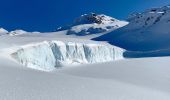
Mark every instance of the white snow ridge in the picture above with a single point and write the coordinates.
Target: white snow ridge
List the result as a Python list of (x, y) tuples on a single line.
[(47, 56)]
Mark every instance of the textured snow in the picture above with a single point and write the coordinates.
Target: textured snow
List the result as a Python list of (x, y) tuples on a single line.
[(49, 55), (133, 79)]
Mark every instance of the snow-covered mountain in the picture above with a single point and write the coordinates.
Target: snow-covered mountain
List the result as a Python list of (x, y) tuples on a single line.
[(47, 56), (3, 31), (92, 24), (17, 32), (146, 31), (145, 78)]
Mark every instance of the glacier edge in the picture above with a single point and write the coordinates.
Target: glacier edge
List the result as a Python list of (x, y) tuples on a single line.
[(47, 56)]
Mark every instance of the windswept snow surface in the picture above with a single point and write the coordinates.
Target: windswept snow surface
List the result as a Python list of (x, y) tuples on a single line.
[(134, 79), (47, 56), (146, 31)]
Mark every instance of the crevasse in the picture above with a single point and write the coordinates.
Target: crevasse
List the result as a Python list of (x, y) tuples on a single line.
[(47, 56)]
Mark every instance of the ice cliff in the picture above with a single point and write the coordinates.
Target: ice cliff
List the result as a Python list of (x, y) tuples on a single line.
[(48, 56)]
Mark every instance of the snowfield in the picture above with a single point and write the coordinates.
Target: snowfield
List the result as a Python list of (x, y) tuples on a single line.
[(58, 66), (128, 79)]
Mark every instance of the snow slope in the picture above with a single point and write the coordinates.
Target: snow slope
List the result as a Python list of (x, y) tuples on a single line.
[(93, 23), (146, 31)]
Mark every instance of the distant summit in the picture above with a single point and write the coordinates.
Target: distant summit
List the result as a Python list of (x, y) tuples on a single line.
[(92, 24), (17, 32), (149, 17), (94, 18)]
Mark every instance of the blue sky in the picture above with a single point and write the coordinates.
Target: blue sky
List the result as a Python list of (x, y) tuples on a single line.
[(47, 15)]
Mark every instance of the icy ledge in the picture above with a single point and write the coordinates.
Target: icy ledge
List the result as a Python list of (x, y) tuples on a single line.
[(47, 56)]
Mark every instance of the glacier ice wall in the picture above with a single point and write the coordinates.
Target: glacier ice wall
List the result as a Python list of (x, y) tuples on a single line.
[(47, 56)]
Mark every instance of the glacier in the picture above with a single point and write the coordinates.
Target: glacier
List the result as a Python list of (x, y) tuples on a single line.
[(50, 55)]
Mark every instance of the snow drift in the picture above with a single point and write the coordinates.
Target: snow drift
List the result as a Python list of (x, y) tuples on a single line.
[(47, 56)]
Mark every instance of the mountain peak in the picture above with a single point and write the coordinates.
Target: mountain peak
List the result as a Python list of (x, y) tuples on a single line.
[(92, 23), (94, 18)]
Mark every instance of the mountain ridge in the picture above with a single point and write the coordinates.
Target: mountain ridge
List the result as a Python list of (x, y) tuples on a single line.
[(146, 31)]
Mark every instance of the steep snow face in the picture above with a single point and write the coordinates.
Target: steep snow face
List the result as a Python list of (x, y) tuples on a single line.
[(92, 24), (3, 31), (47, 56), (17, 32), (146, 31)]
